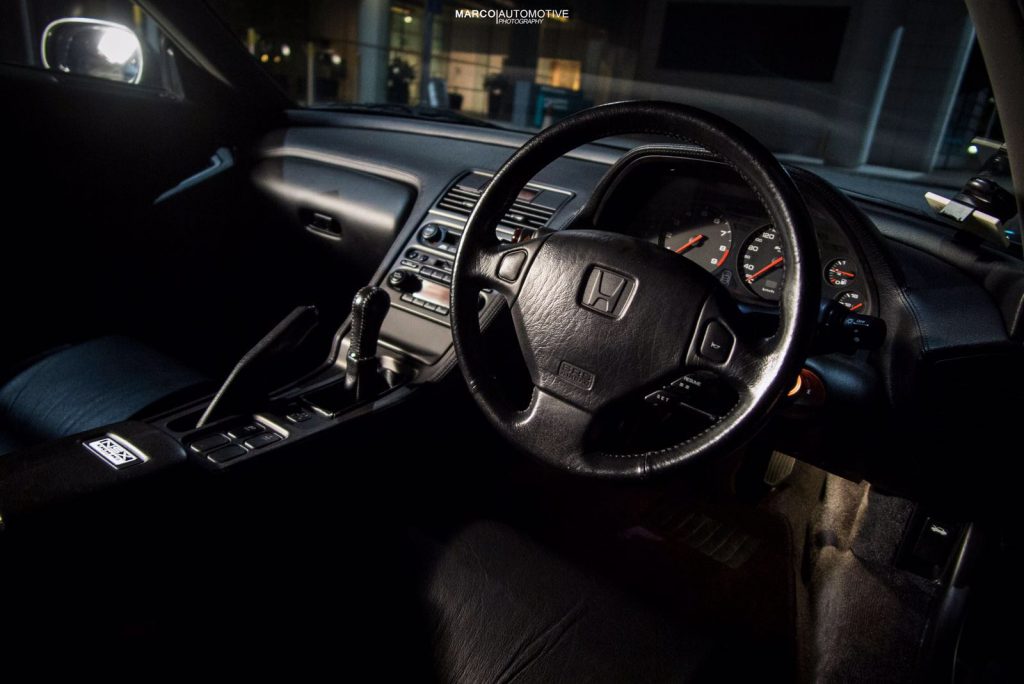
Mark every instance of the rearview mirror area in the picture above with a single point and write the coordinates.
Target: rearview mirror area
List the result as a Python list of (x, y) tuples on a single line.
[(93, 47)]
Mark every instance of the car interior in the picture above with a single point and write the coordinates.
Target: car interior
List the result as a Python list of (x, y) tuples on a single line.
[(626, 397)]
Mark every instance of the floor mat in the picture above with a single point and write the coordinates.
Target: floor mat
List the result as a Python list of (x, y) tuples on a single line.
[(721, 541), (867, 617)]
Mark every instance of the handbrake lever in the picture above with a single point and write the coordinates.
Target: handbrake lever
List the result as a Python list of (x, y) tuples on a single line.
[(262, 367)]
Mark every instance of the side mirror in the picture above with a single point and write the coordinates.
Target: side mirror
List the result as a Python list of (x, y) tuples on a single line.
[(92, 47)]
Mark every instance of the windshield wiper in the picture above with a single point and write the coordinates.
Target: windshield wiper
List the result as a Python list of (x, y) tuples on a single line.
[(417, 111)]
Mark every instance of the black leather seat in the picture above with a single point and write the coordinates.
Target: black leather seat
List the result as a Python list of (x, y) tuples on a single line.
[(503, 608), (101, 381)]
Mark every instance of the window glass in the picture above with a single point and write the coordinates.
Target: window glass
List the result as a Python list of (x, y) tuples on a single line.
[(112, 40), (884, 98)]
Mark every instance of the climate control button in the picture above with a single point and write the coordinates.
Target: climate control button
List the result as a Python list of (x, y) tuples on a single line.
[(431, 234), (404, 281)]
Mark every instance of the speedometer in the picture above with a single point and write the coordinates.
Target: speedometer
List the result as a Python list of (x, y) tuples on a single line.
[(706, 240), (764, 267)]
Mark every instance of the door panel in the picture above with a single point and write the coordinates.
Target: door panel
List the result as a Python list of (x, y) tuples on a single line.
[(85, 161)]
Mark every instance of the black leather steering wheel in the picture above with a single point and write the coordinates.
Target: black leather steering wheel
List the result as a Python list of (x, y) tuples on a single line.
[(601, 316)]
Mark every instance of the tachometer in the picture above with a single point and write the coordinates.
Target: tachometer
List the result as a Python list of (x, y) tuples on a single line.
[(764, 268), (706, 240)]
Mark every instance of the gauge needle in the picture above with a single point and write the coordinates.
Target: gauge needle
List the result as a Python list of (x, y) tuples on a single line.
[(856, 306), (692, 243), (754, 276), (846, 274)]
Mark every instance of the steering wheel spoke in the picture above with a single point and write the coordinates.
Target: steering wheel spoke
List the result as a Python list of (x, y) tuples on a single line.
[(500, 267), (552, 426), (726, 344)]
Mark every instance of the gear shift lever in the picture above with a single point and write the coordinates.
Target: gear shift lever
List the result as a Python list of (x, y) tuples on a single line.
[(369, 307)]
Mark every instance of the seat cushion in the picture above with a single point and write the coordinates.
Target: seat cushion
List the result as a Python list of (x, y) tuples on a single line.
[(503, 608), (105, 380)]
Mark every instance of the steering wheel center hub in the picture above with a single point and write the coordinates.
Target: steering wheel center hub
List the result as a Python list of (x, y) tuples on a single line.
[(602, 314)]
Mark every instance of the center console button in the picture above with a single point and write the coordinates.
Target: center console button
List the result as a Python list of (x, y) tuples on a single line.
[(262, 440), (208, 443), (225, 454), (299, 415), (247, 430)]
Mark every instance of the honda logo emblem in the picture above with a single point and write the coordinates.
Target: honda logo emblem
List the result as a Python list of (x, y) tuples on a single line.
[(607, 292)]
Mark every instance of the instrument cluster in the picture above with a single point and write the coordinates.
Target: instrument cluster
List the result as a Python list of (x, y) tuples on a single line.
[(754, 256), (715, 221)]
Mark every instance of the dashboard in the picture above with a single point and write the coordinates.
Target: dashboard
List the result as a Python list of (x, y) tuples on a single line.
[(376, 196), (709, 215)]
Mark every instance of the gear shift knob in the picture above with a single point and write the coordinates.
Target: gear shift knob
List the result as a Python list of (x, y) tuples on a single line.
[(369, 307)]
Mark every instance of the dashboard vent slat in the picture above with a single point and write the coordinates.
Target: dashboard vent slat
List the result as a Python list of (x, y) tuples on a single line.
[(461, 200)]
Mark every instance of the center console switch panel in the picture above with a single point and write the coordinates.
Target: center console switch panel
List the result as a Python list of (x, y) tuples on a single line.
[(235, 440)]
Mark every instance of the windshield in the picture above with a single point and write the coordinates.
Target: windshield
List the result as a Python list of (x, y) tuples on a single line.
[(883, 98)]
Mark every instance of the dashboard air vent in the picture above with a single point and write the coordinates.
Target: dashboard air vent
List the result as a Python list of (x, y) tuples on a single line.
[(461, 200)]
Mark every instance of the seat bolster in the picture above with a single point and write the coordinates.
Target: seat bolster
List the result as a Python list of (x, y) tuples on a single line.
[(105, 380)]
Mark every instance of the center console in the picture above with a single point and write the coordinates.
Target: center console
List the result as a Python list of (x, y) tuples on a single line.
[(397, 338), (418, 279), (410, 309)]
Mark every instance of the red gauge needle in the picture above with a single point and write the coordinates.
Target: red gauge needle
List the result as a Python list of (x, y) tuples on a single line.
[(856, 306), (692, 243), (754, 276), (846, 274)]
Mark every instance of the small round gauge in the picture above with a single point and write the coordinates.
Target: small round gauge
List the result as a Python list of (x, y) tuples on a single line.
[(852, 300), (764, 268), (706, 240), (840, 273)]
